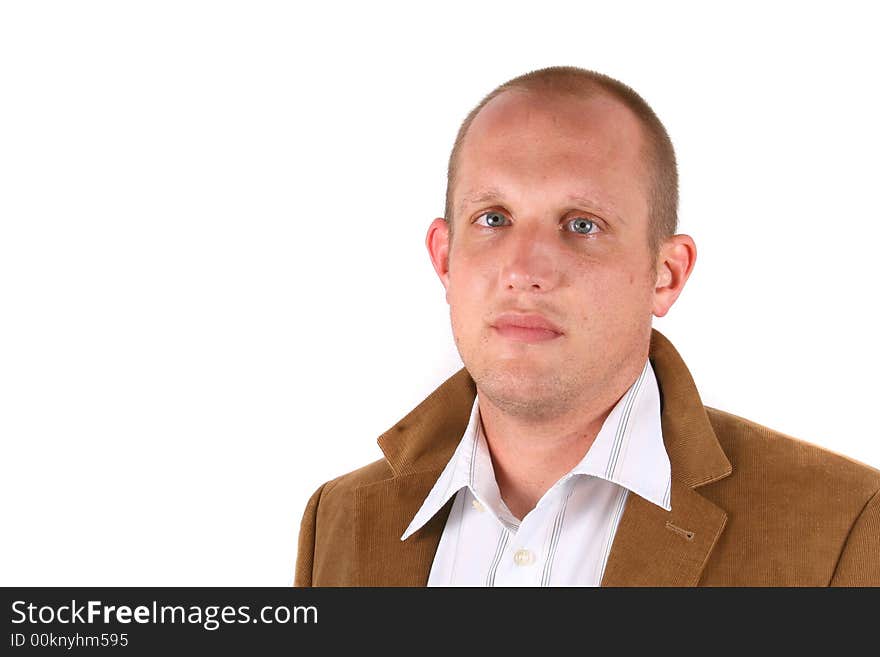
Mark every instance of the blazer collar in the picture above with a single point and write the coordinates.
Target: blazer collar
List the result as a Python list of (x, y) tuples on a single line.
[(651, 547)]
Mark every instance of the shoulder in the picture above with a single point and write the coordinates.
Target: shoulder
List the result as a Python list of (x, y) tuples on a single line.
[(339, 491), (789, 484), (792, 507), (754, 447), (325, 552)]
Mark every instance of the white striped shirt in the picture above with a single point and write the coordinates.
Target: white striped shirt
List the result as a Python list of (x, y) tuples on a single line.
[(565, 540)]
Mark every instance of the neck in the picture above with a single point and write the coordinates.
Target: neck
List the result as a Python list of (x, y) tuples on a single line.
[(528, 458)]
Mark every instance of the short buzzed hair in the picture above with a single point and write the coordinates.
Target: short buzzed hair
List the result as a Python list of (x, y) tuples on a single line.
[(659, 155)]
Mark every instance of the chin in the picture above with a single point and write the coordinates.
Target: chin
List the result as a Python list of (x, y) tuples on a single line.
[(529, 403), (518, 381)]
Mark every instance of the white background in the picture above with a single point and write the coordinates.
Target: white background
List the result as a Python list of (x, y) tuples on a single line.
[(214, 289)]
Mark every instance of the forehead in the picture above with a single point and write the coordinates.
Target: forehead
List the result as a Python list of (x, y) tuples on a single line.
[(555, 144)]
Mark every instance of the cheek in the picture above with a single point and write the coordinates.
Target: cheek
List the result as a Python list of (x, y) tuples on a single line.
[(468, 282), (609, 296), (465, 300)]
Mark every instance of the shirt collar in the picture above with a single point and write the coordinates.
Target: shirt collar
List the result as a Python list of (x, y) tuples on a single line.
[(628, 451)]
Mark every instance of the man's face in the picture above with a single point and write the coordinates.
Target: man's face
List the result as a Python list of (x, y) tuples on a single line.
[(551, 217)]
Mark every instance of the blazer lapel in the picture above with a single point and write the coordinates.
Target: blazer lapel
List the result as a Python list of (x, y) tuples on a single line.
[(416, 448), (654, 547), (383, 511)]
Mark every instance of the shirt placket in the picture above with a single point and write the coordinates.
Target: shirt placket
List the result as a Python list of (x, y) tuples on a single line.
[(527, 554)]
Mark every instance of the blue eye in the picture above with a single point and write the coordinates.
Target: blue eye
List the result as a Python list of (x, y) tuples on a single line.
[(583, 225), (492, 218)]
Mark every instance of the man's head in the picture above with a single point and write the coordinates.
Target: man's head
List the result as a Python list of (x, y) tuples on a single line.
[(660, 168), (561, 205)]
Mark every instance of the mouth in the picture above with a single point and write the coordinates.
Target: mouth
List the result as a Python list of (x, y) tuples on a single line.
[(525, 334), (526, 327)]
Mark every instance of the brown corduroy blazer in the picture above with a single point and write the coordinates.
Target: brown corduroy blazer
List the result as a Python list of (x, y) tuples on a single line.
[(750, 506)]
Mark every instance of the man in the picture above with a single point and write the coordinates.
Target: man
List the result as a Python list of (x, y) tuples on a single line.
[(573, 448)]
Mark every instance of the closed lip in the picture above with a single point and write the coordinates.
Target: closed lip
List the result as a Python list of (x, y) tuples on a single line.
[(525, 320)]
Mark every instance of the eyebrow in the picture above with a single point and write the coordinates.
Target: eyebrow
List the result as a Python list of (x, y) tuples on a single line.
[(589, 203), (493, 194), (490, 194)]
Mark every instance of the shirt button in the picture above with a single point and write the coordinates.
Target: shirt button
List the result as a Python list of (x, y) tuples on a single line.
[(476, 504), (523, 557)]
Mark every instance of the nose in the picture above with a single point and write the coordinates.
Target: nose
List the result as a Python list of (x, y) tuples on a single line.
[(531, 260)]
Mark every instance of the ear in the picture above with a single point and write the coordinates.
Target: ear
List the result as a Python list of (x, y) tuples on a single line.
[(676, 260), (437, 242)]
